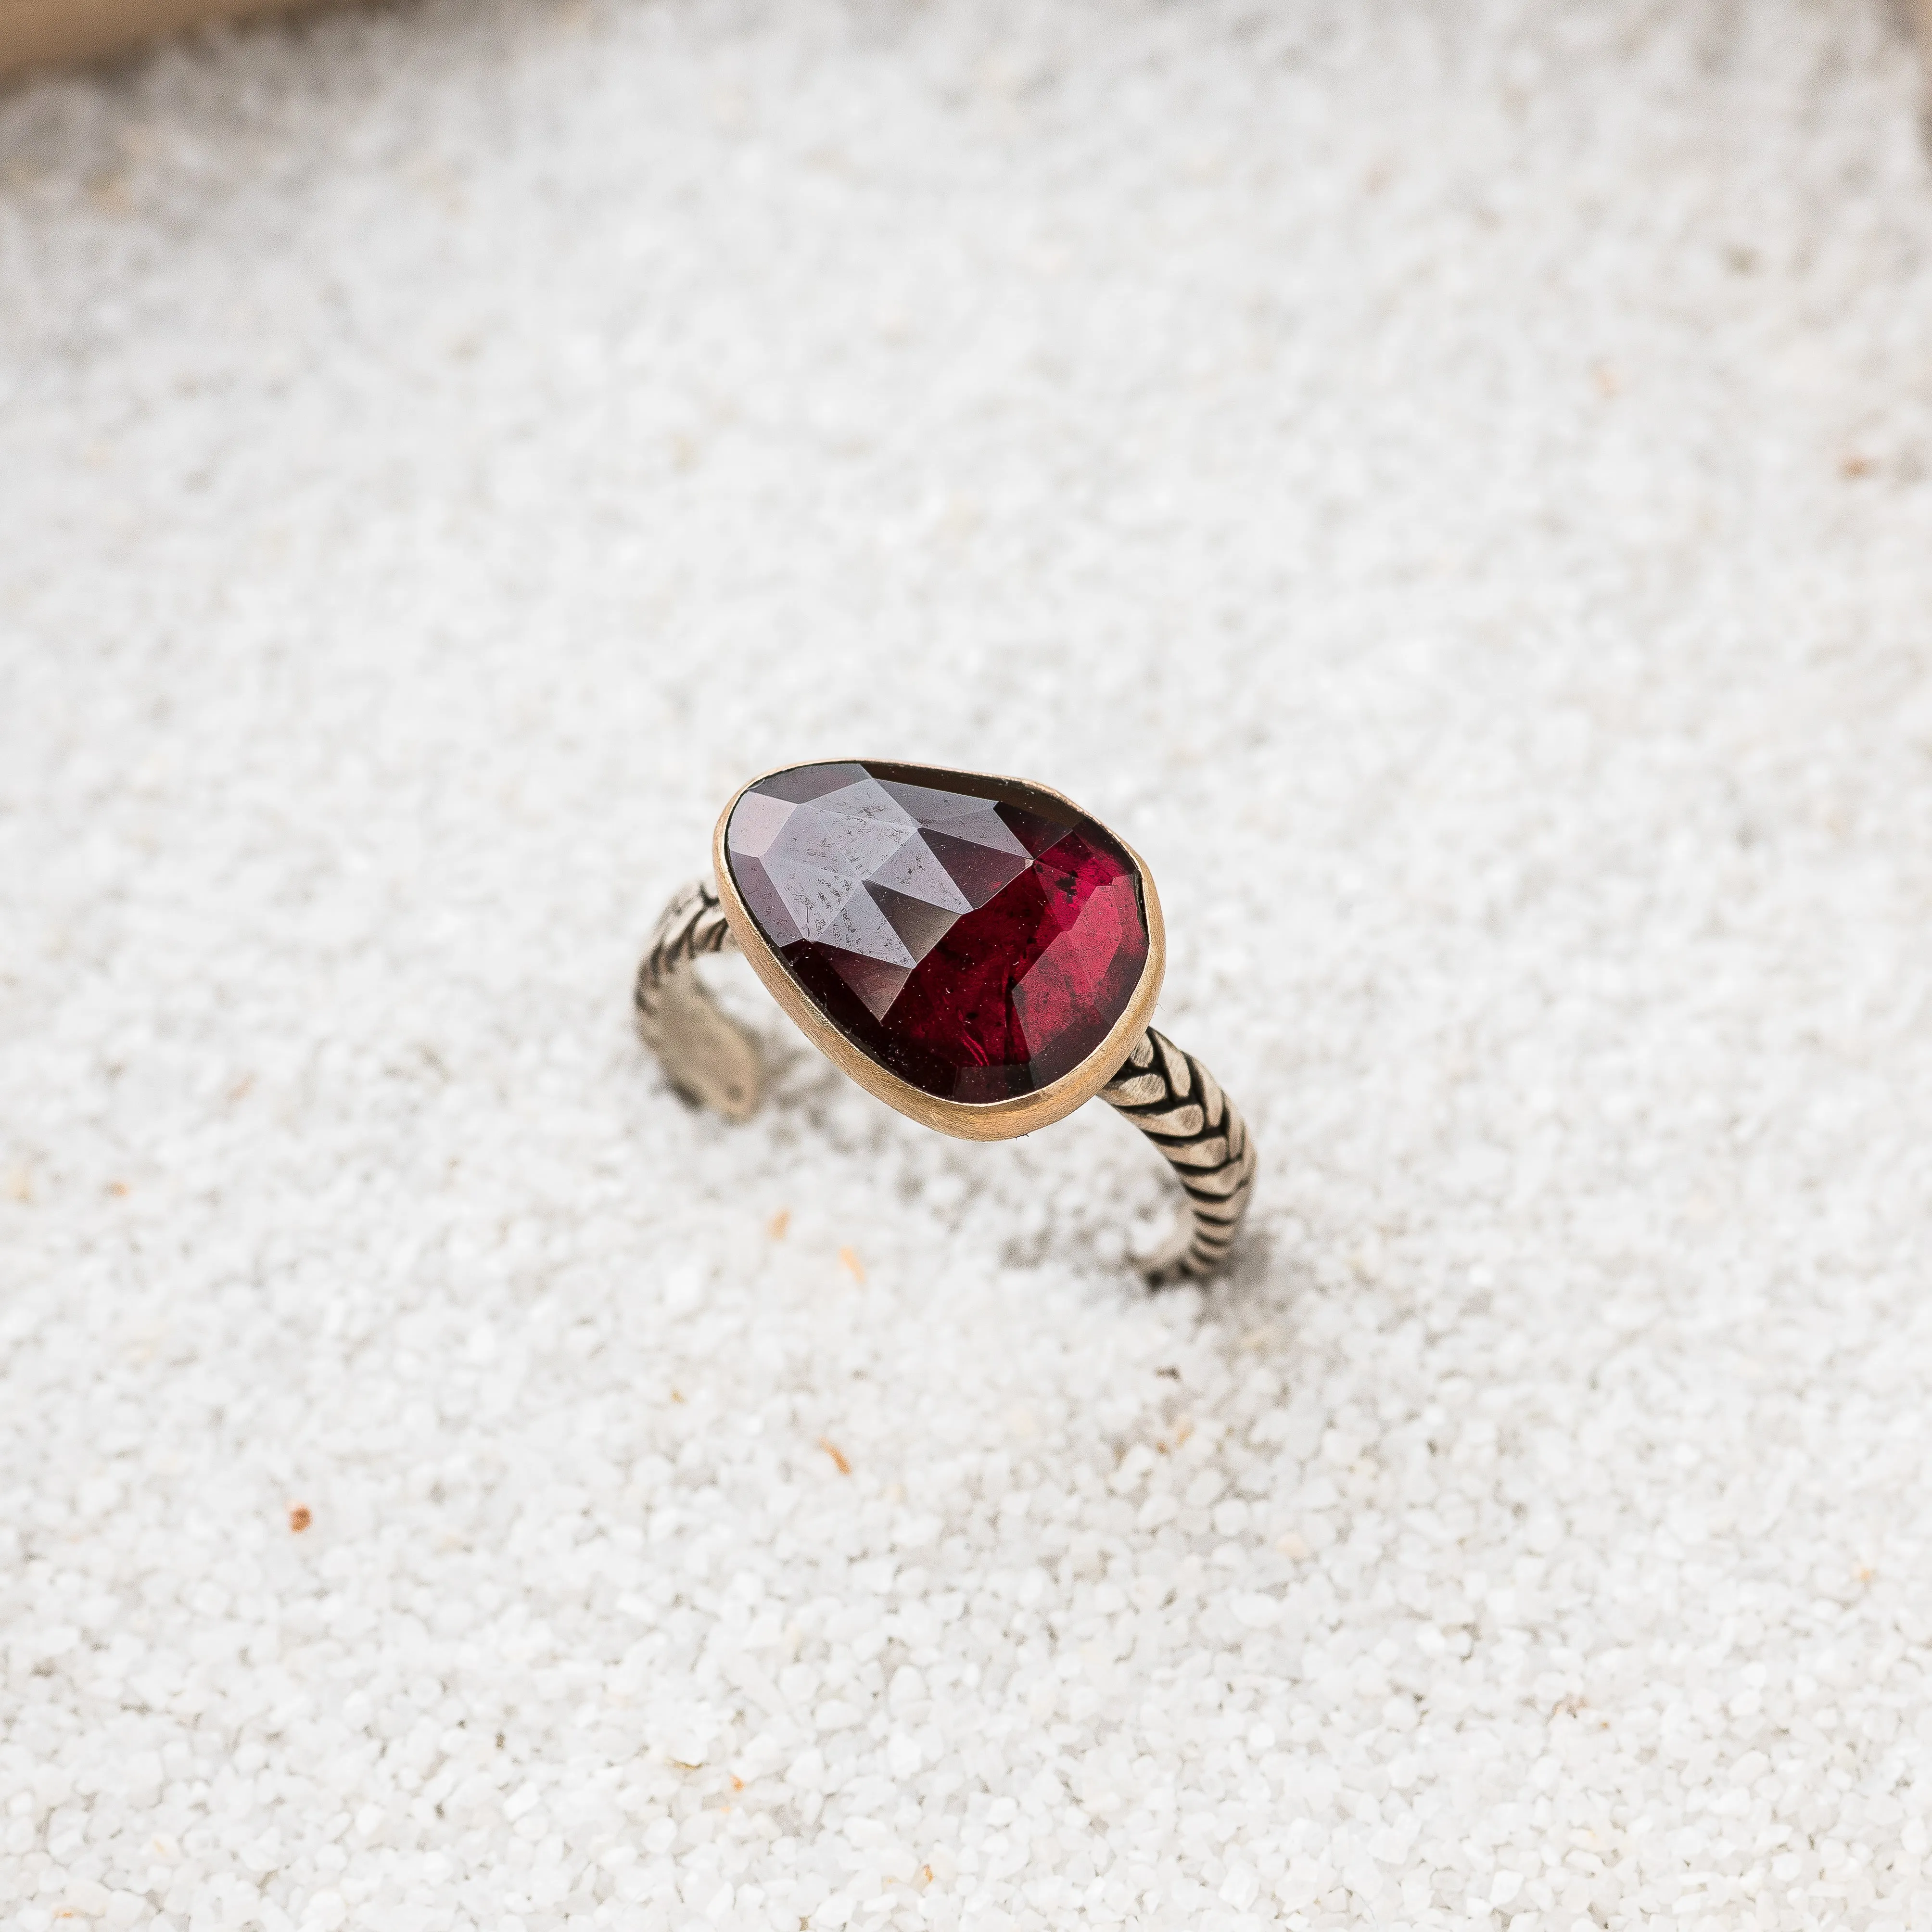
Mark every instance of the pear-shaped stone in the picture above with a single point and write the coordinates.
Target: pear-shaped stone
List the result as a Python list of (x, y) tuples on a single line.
[(977, 938)]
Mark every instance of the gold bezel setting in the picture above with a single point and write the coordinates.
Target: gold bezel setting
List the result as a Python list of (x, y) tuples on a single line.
[(977, 1120)]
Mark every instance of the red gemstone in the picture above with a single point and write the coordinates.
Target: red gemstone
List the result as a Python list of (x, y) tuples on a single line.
[(978, 940)]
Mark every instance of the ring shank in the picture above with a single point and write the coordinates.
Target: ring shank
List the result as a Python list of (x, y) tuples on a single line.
[(708, 1057), (1168, 1094), (1180, 1106)]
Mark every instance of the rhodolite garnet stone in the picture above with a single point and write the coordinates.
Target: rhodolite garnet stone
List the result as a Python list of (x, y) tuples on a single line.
[(976, 937)]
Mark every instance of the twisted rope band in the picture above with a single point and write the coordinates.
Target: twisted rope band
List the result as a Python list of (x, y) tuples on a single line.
[(707, 1056), (1179, 1106), (692, 925)]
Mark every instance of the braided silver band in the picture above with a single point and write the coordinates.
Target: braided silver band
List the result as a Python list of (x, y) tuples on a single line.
[(1165, 1093), (1180, 1106), (708, 1057)]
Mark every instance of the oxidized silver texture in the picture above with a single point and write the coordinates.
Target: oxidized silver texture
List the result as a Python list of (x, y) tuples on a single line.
[(707, 1056), (1180, 1106)]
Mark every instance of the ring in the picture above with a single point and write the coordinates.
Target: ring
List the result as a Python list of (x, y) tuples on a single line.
[(977, 951)]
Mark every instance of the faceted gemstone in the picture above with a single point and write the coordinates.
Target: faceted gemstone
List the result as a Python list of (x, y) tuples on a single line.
[(978, 940)]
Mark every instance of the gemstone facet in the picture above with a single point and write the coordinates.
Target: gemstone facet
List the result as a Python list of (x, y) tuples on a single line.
[(976, 938)]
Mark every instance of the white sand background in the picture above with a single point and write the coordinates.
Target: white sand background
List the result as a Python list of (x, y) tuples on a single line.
[(1450, 483)]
